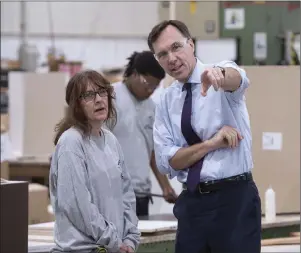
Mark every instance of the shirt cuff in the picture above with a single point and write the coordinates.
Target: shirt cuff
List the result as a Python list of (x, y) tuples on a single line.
[(239, 92), (171, 172)]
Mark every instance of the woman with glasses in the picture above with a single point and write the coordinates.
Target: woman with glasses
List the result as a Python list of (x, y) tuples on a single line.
[(91, 192)]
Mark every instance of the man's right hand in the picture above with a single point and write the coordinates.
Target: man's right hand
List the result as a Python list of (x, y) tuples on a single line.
[(226, 137)]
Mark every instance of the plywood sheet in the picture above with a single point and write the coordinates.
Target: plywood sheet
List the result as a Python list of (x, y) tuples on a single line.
[(42, 226), (36, 105), (281, 249), (281, 221), (144, 226), (273, 101), (281, 241), (149, 226), (157, 225), (40, 238)]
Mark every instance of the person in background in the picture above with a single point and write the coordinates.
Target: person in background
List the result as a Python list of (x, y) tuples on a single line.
[(202, 136), (90, 188), (134, 130)]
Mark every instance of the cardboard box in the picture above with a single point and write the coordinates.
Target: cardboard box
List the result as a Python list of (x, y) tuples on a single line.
[(38, 202), (4, 123), (14, 217), (4, 170)]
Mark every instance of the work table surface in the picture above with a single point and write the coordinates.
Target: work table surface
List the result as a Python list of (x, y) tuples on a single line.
[(40, 236)]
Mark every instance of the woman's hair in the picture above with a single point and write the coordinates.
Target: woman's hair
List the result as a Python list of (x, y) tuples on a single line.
[(75, 116)]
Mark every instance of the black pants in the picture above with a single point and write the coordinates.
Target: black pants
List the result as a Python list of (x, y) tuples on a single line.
[(225, 221), (142, 206)]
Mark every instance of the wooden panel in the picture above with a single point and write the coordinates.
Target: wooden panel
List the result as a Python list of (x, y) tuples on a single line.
[(36, 105), (281, 241), (273, 101)]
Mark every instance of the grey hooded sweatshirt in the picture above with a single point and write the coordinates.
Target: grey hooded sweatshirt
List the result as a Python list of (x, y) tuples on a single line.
[(91, 194)]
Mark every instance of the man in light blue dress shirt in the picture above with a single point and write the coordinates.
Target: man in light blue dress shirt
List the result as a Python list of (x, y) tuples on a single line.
[(202, 134)]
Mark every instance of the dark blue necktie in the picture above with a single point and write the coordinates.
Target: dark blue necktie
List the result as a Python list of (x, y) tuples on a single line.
[(191, 138)]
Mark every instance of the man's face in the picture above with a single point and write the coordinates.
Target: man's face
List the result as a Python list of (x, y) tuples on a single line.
[(143, 86), (175, 53)]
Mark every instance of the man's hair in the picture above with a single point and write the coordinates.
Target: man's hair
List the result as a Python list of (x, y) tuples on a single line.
[(158, 29), (144, 63)]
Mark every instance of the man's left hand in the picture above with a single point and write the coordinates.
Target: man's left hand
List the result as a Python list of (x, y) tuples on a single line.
[(170, 195), (214, 77)]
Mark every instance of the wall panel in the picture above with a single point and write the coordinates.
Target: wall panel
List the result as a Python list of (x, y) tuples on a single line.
[(273, 108), (81, 18)]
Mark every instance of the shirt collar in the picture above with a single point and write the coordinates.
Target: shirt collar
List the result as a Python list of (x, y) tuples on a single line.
[(195, 77)]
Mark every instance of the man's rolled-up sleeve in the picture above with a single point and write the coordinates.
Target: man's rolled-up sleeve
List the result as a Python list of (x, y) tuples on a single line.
[(238, 94), (164, 145)]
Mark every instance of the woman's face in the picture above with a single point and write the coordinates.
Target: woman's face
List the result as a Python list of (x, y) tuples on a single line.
[(94, 102)]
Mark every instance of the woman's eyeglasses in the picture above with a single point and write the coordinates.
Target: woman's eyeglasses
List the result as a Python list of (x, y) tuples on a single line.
[(90, 95)]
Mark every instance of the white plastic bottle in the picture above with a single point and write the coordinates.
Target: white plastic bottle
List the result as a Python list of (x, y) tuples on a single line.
[(270, 205)]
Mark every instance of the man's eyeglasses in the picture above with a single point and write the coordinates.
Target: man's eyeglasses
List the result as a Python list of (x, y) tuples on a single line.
[(89, 96), (146, 83), (176, 47)]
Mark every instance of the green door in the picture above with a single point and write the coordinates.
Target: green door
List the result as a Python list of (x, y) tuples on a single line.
[(273, 18)]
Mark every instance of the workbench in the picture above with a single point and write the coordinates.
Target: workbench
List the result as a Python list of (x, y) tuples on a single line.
[(41, 240), (32, 169)]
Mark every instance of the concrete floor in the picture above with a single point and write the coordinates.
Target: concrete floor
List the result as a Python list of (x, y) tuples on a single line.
[(44, 247), (267, 249), (281, 248)]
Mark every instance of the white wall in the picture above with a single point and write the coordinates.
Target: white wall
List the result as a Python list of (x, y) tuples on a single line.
[(213, 51), (99, 53), (96, 53), (82, 18)]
